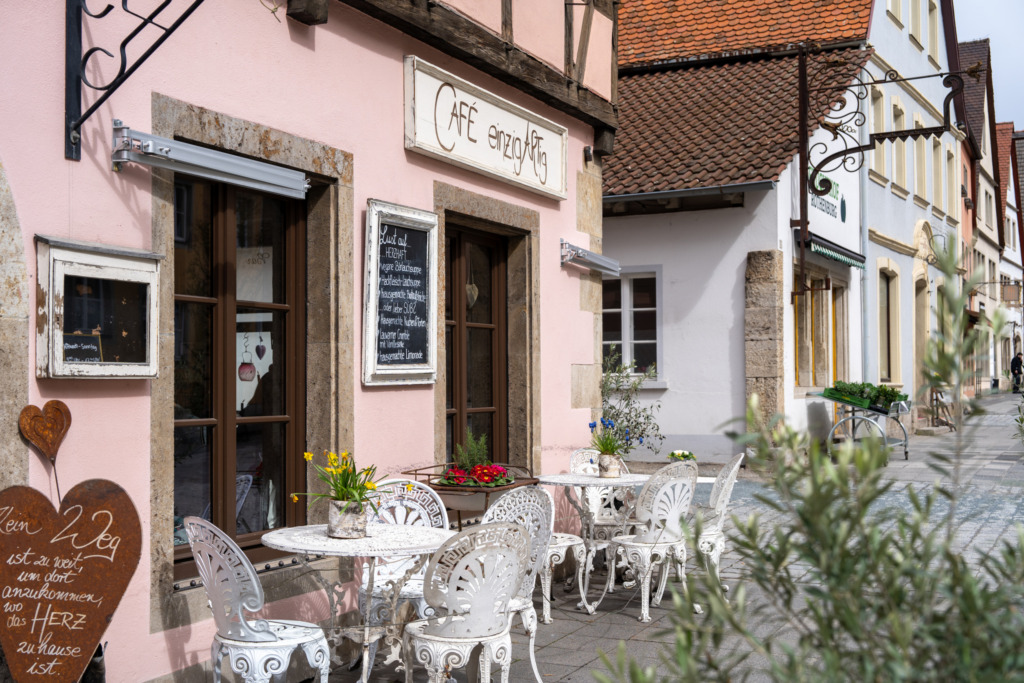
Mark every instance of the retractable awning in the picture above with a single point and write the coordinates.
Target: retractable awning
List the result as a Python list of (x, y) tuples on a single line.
[(830, 250)]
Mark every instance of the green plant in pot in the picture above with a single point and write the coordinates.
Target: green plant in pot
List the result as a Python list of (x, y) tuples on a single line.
[(609, 445)]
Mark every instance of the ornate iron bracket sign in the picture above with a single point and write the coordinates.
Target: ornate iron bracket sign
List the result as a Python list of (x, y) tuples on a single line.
[(843, 122), (75, 63)]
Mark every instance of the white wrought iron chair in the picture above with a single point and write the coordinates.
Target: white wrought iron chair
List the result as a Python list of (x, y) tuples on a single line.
[(662, 503), (258, 650), (610, 506), (470, 583), (712, 536), (533, 508), (408, 502)]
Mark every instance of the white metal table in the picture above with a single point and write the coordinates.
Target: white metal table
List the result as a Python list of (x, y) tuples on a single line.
[(381, 541), (588, 516)]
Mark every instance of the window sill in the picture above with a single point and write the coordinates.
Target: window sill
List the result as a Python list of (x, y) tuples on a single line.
[(938, 213), (899, 191), (934, 62), (950, 220), (920, 201), (894, 18), (805, 392), (916, 42), (655, 384), (878, 177)]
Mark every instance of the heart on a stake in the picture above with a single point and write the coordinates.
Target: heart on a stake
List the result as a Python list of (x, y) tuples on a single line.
[(472, 292), (261, 351), (64, 574), (46, 428)]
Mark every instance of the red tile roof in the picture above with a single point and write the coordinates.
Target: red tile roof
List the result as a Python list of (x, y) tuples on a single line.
[(656, 31), (971, 54), (711, 125)]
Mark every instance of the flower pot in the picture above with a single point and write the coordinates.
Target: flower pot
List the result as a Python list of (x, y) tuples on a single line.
[(609, 465), (345, 519)]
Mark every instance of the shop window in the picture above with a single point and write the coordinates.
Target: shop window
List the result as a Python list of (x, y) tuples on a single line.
[(631, 320), (239, 376), (816, 337)]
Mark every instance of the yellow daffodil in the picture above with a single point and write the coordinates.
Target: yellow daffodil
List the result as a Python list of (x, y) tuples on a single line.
[(371, 486), (295, 498), (308, 456), (332, 459), (409, 487)]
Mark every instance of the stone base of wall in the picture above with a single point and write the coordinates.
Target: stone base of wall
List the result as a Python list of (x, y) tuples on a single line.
[(763, 331)]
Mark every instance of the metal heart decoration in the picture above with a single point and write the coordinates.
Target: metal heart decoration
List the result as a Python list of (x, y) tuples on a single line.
[(46, 428), (261, 351), (63, 574)]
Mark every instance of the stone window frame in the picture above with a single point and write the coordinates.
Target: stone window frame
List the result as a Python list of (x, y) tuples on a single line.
[(330, 361), (521, 227)]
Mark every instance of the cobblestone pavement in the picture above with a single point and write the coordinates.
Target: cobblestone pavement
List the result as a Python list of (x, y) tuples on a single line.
[(992, 503)]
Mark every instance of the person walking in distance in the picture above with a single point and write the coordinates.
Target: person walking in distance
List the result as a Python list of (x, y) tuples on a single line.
[(1016, 369)]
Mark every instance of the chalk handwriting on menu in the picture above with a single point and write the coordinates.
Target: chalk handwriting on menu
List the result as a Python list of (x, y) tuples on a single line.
[(402, 296), (62, 575), (455, 119)]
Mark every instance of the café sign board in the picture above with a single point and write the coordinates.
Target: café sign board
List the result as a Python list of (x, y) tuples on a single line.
[(452, 120)]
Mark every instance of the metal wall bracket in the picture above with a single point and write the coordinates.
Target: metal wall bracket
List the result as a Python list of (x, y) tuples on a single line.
[(76, 62)]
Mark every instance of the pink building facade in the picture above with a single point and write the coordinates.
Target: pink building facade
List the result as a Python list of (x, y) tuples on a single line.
[(258, 346)]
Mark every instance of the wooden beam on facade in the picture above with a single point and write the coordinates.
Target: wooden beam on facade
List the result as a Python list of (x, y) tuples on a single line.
[(470, 42), (309, 12)]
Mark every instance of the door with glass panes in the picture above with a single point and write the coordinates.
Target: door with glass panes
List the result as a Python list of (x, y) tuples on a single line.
[(239, 363), (475, 340)]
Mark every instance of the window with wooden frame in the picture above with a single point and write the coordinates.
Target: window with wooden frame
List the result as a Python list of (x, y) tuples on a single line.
[(239, 375), (888, 310), (630, 319), (899, 147), (816, 337), (476, 340)]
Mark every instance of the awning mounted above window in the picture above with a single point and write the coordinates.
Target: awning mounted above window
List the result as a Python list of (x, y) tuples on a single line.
[(830, 250), (182, 157)]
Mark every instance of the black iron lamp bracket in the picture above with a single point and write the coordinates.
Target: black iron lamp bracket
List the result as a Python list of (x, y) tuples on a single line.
[(76, 62), (843, 122)]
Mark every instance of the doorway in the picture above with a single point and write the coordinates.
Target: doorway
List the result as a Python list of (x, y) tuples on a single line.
[(476, 340)]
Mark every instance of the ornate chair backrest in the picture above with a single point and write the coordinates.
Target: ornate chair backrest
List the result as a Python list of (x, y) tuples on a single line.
[(533, 508), (664, 500), (410, 503), (686, 469), (721, 492), (600, 499), (474, 575), (404, 501), (230, 580)]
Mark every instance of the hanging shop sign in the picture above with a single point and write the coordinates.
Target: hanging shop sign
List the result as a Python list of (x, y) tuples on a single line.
[(62, 575), (400, 302), (450, 119)]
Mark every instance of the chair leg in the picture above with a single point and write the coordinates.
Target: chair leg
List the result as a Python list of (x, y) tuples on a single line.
[(529, 619), (319, 657), (407, 658), (664, 569), (643, 568), (579, 553), (215, 657), (545, 591)]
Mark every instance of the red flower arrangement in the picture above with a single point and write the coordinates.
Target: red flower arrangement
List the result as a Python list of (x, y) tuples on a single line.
[(478, 475)]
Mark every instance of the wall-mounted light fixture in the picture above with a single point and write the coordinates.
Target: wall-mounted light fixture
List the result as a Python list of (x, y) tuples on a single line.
[(578, 256), (142, 148)]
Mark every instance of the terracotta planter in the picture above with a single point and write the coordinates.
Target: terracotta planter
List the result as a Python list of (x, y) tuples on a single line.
[(345, 520), (609, 466)]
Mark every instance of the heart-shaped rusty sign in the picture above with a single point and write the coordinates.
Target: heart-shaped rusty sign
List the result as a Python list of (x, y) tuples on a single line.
[(62, 575), (46, 428)]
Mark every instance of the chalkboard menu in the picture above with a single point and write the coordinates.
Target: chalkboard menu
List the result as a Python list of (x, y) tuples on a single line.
[(402, 296), (400, 299)]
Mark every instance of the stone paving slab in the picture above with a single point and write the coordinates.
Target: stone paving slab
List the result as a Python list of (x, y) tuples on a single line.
[(991, 505)]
